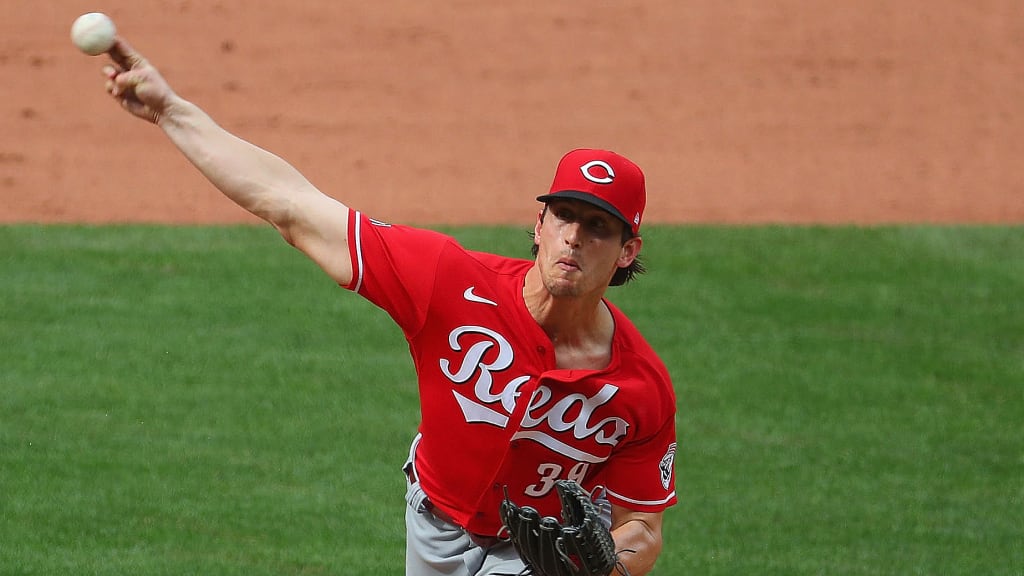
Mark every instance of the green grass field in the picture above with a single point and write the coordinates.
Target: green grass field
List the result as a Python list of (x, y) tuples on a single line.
[(205, 401)]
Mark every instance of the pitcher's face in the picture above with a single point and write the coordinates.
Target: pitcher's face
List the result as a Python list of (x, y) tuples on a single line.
[(579, 247)]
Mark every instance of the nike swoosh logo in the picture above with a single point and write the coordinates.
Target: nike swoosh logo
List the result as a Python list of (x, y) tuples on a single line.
[(470, 296)]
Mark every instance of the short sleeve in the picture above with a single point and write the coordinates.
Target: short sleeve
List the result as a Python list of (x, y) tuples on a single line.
[(641, 476), (394, 267)]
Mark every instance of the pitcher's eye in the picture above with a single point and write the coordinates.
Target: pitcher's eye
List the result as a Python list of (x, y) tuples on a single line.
[(564, 214), (599, 227)]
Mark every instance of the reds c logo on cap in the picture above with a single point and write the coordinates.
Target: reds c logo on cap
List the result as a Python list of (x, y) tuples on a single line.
[(609, 172), (602, 178)]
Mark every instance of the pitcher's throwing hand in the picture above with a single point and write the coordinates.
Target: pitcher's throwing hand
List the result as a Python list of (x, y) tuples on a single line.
[(136, 84)]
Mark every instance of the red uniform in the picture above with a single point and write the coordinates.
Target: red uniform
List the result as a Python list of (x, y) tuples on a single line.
[(495, 411)]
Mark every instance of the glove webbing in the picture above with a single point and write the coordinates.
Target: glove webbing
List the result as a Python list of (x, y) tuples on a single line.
[(580, 545)]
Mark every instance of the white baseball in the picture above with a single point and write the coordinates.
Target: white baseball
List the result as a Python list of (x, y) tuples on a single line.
[(93, 33)]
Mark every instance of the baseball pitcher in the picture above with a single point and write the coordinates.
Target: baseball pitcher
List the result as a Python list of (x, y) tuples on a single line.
[(547, 436)]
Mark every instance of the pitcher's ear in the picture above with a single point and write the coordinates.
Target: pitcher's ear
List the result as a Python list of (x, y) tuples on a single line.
[(630, 251)]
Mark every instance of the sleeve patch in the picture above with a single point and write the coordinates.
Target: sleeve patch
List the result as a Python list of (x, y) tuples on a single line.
[(667, 465)]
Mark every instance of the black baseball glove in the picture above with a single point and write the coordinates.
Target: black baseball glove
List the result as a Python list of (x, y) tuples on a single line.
[(579, 545)]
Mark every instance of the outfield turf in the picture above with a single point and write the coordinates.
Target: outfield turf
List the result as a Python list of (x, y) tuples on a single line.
[(203, 400)]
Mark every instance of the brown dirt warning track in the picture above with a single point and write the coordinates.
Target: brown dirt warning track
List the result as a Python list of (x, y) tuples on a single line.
[(446, 112)]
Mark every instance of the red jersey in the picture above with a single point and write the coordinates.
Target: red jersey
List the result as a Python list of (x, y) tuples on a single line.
[(496, 413)]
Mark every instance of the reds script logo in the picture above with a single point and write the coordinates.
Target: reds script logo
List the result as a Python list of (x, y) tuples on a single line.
[(493, 402)]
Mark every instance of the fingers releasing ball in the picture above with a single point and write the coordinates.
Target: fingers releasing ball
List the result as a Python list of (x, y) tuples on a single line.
[(93, 33)]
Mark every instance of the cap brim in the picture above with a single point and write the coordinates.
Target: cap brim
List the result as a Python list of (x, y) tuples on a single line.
[(589, 199)]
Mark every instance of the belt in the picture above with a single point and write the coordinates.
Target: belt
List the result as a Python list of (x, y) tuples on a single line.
[(481, 540)]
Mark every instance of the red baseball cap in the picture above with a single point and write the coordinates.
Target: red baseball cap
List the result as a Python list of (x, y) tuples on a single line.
[(602, 178)]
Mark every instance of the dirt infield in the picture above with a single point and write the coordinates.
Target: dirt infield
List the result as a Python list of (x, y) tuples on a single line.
[(456, 111)]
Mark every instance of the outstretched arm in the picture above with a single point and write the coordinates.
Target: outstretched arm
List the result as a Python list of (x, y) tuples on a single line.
[(253, 178)]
